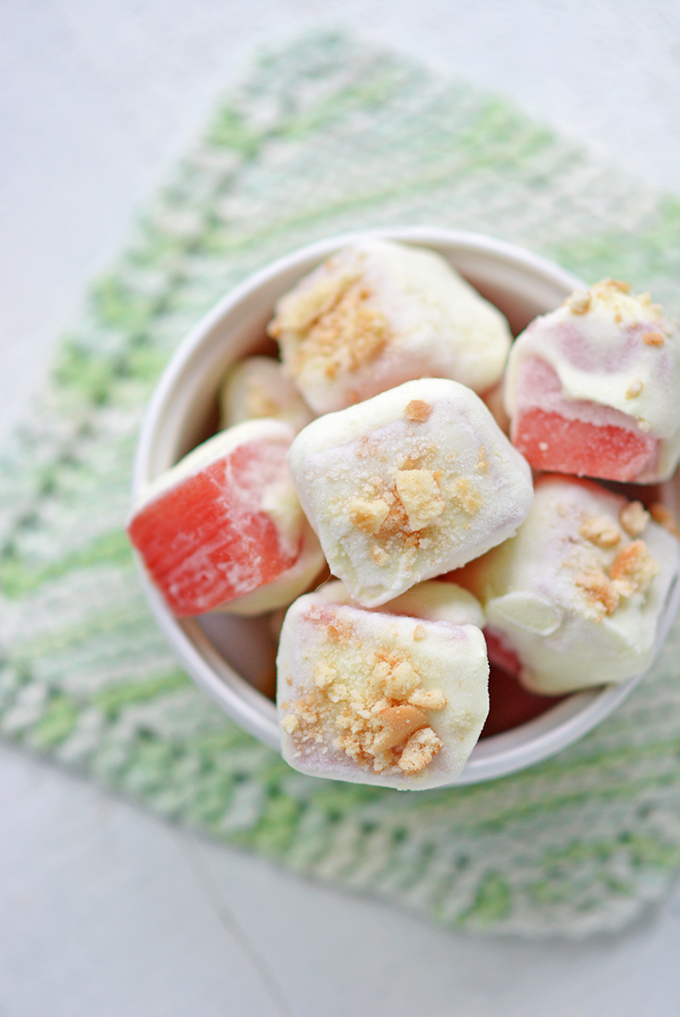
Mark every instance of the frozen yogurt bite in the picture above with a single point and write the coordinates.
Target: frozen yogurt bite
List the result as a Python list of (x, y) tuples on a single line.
[(223, 528), (377, 697), (592, 388), (407, 485), (256, 387), (578, 593), (379, 313)]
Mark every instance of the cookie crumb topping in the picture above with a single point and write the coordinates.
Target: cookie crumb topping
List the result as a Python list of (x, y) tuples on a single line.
[(435, 700), (368, 516), (599, 591), (630, 571), (419, 750), (418, 410), (600, 530), (633, 569), (333, 324), (420, 495), (579, 302), (290, 723), (379, 555), (664, 517), (634, 518)]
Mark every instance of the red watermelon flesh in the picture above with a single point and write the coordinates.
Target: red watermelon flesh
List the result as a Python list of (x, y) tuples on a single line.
[(206, 540), (552, 442), (576, 436)]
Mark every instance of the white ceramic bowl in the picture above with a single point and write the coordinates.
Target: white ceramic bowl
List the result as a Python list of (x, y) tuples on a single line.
[(182, 412)]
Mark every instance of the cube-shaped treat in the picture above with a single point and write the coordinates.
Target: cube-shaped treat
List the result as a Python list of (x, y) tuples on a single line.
[(225, 521), (256, 387), (578, 593), (592, 388), (407, 485), (379, 313), (379, 698)]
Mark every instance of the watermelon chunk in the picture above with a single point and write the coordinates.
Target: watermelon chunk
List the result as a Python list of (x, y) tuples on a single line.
[(558, 444), (223, 522)]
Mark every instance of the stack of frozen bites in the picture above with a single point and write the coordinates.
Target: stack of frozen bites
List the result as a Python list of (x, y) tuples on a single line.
[(369, 451)]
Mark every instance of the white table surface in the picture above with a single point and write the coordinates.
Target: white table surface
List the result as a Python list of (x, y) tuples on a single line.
[(103, 908)]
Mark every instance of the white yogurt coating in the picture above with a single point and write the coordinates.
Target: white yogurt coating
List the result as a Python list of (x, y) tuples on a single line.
[(408, 485), (612, 350), (432, 600), (256, 387), (578, 593), (378, 698), (380, 313)]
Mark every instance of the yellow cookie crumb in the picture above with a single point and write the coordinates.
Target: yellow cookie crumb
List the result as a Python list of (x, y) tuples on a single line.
[(421, 496), (600, 530)]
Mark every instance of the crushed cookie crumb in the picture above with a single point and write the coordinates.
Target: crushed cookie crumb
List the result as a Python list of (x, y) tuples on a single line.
[(617, 284), (419, 750), (634, 388), (653, 338), (482, 461), (418, 410), (664, 517), (432, 700), (368, 516), (421, 497), (340, 631), (600, 530), (633, 569), (599, 592), (579, 302), (290, 723), (401, 681), (634, 518), (467, 495), (419, 633), (333, 324), (301, 312), (379, 555)]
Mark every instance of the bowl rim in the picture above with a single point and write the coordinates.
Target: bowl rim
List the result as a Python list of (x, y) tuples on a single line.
[(496, 756)]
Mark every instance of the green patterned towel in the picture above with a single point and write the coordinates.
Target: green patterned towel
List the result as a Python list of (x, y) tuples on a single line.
[(323, 137)]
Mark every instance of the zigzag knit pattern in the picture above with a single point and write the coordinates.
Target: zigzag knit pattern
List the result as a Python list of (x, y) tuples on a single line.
[(324, 136)]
